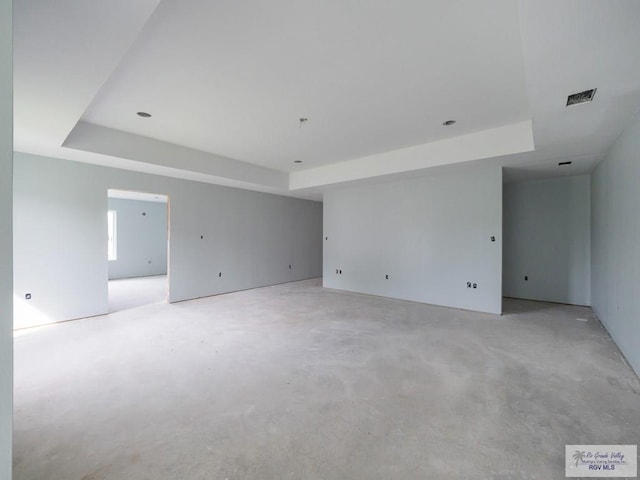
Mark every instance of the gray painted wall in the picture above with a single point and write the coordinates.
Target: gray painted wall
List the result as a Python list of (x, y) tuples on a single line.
[(431, 235), (60, 231), (615, 237), (141, 239), (547, 238), (6, 277)]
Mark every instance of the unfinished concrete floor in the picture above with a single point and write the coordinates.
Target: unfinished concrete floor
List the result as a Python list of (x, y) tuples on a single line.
[(294, 381), (128, 293)]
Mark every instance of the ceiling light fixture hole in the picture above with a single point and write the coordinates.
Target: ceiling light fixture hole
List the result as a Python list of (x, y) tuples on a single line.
[(297, 161), (448, 123), (143, 114)]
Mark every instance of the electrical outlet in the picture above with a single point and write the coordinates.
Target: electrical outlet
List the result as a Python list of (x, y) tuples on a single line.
[(475, 285), (386, 277), (220, 274), (27, 296)]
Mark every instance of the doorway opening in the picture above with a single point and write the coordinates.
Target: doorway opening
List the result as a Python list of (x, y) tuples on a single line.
[(137, 249)]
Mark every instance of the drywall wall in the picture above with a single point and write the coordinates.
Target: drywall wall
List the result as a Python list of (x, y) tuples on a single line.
[(60, 231), (6, 275), (141, 238), (547, 239), (615, 239), (430, 235)]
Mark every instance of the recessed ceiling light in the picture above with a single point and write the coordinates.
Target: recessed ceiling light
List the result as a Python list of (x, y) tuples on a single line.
[(297, 161), (581, 97), (565, 163), (144, 114), (448, 123)]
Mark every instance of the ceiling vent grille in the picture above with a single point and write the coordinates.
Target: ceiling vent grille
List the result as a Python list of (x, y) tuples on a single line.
[(581, 97)]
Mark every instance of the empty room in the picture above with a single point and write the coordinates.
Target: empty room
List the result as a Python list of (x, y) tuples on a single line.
[(319, 240)]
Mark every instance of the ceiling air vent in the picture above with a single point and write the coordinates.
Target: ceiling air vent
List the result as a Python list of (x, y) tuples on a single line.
[(581, 97)]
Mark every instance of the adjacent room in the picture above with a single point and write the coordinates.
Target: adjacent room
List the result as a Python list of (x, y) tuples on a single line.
[(319, 240), (137, 249)]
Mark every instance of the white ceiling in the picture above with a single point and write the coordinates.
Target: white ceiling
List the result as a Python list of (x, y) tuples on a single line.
[(233, 78), (571, 46), (226, 83)]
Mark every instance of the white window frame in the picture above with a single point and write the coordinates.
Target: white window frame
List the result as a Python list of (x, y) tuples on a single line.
[(112, 235)]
